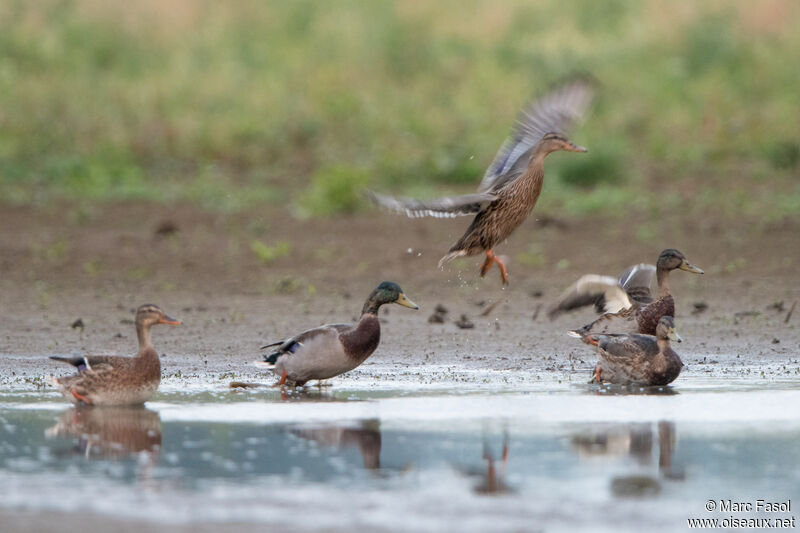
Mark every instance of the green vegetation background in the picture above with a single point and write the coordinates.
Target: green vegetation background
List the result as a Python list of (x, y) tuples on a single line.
[(231, 105)]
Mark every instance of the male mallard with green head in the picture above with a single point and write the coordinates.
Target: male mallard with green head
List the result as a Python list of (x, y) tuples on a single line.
[(113, 379), (626, 302), (637, 359), (333, 349), (513, 182)]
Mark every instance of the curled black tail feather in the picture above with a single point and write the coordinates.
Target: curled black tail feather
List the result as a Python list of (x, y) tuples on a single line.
[(273, 357)]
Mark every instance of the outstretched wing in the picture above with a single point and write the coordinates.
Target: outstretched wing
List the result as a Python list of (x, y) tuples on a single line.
[(452, 206), (636, 281), (589, 289), (557, 111)]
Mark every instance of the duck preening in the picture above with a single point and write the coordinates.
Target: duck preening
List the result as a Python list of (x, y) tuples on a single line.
[(113, 379), (333, 349), (513, 182), (626, 302), (637, 359)]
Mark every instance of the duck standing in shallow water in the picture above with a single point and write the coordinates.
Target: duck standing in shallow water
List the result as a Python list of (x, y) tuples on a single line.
[(333, 349), (113, 379), (513, 182), (637, 359), (626, 302)]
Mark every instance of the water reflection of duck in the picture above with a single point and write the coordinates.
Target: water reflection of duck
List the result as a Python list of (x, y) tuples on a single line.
[(110, 433), (116, 380), (492, 480), (366, 437), (635, 441), (617, 440)]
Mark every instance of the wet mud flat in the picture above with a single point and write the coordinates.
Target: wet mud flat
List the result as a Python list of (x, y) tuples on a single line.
[(447, 427)]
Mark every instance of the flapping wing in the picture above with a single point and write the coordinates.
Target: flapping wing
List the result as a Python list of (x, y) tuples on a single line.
[(589, 289), (557, 111), (467, 204), (636, 281)]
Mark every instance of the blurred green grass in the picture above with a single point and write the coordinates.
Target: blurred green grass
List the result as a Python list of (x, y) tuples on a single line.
[(229, 105)]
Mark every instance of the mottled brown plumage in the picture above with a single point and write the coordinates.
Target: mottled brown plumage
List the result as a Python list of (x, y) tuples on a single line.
[(637, 359), (117, 380), (513, 181), (630, 309), (510, 208), (333, 349)]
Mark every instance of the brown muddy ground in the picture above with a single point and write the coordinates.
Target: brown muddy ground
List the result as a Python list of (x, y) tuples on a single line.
[(64, 263)]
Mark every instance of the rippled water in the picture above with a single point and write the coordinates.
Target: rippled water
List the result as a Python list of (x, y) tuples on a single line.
[(555, 458)]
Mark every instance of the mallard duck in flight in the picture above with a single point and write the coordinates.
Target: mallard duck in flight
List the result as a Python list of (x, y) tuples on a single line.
[(513, 182)]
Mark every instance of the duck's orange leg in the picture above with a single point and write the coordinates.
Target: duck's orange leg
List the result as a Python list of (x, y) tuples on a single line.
[(80, 397), (283, 377), (487, 264)]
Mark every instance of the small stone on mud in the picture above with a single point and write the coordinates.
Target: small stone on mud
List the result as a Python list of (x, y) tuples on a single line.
[(777, 306), (464, 323), (436, 318), (538, 293), (441, 309), (699, 307), (166, 227), (78, 324), (776, 341)]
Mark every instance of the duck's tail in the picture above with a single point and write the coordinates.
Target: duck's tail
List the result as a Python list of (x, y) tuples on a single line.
[(450, 256), (272, 358)]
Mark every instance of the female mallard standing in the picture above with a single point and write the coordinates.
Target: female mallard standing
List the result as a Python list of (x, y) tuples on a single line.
[(637, 359), (626, 303), (513, 182), (113, 379), (333, 349)]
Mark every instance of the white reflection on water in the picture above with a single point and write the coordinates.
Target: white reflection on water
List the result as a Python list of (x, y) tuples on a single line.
[(574, 459)]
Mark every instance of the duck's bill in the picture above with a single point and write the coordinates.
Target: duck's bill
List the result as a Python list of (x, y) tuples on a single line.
[(688, 267), (405, 302), (673, 335), (576, 148), (166, 319)]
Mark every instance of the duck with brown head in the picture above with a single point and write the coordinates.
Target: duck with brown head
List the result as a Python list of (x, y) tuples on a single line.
[(117, 380), (333, 349), (626, 304), (637, 359), (513, 182)]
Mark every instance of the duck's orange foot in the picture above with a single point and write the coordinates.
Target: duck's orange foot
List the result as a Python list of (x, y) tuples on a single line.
[(80, 397), (487, 264)]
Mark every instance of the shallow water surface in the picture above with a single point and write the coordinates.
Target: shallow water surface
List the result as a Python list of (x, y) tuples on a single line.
[(567, 458)]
